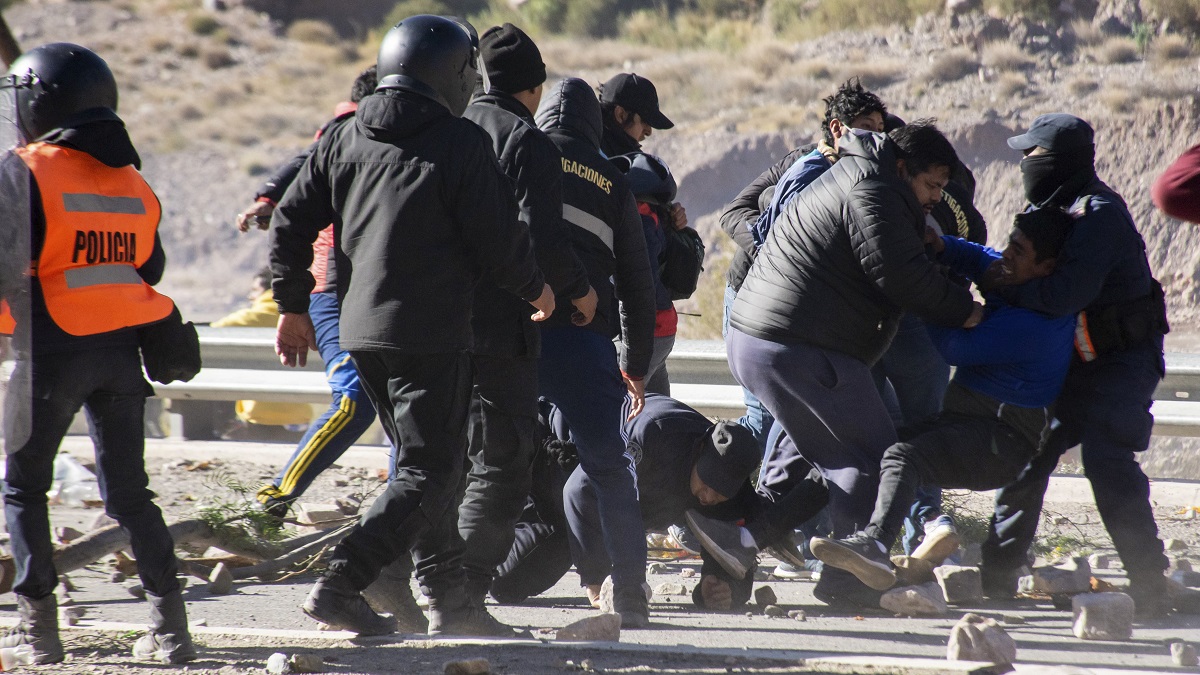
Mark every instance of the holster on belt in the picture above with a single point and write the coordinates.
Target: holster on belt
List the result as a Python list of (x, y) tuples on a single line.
[(1121, 326)]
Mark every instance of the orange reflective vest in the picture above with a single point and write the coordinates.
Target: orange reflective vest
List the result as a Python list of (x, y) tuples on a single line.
[(100, 226)]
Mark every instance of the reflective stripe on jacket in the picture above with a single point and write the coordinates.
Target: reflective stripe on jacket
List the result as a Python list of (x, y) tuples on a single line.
[(100, 227)]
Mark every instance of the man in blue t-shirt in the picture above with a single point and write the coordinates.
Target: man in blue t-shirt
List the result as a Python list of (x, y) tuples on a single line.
[(996, 413)]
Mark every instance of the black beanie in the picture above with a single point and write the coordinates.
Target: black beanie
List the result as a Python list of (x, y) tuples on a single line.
[(729, 454), (513, 61)]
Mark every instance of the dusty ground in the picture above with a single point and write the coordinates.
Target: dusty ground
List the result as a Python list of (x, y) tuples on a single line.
[(679, 640)]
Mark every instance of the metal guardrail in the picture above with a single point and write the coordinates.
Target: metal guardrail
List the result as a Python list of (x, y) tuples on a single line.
[(241, 363)]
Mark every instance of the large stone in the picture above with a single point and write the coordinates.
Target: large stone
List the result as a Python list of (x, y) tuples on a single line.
[(668, 588), (1102, 561), (923, 600), (606, 596), (1187, 578), (1102, 616), (467, 667), (599, 628), (656, 568), (765, 595), (220, 582), (1070, 577), (976, 638), (306, 663), (277, 664), (959, 584), (1184, 655), (320, 515), (773, 611), (912, 571), (1175, 545)]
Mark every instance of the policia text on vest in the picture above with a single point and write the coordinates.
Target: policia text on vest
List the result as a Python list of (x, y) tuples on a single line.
[(105, 247)]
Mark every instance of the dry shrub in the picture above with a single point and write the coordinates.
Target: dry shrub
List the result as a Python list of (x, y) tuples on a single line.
[(189, 112), (160, 43), (203, 24), (1172, 47), (1006, 57), (1118, 100), (1118, 50), (1166, 91), (1181, 13), (312, 31), (953, 65), (1087, 34), (874, 74), (817, 69), (767, 57), (1082, 86), (218, 57), (1012, 85), (188, 50)]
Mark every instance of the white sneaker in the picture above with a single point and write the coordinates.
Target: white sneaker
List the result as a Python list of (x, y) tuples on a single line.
[(940, 542)]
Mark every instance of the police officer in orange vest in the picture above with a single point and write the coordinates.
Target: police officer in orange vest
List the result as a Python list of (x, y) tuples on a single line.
[(94, 253)]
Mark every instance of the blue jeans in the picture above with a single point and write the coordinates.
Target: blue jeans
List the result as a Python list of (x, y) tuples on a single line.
[(108, 384), (912, 378), (1104, 407), (578, 373), (349, 415), (757, 418)]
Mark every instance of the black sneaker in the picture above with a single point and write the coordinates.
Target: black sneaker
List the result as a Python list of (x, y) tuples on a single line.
[(724, 541), (632, 605), (1000, 583), (786, 550), (858, 554), (468, 620), (842, 590), (335, 602)]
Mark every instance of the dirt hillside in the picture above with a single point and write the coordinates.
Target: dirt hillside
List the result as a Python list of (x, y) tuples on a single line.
[(214, 99)]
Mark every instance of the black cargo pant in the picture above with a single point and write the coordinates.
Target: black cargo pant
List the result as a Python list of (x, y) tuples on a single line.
[(1105, 408), (108, 384), (503, 426), (976, 443), (422, 400)]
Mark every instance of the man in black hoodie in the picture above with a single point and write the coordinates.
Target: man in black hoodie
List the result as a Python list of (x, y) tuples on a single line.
[(86, 230), (420, 211), (504, 401), (578, 367)]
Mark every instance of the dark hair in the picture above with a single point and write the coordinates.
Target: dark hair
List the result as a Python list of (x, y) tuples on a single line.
[(848, 103), (923, 147), (263, 277), (608, 112), (1047, 229), (364, 84)]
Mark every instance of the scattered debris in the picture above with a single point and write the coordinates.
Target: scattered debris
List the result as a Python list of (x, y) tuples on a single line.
[(1069, 577), (117, 577), (135, 589), (1102, 561), (348, 506), (220, 582), (764, 596), (1101, 586), (1013, 619), (668, 588), (277, 664), (320, 515), (71, 614), (656, 568), (797, 614), (1103, 616), (773, 611), (977, 638), (687, 573), (599, 628), (66, 535), (1184, 654), (307, 663), (1175, 545)]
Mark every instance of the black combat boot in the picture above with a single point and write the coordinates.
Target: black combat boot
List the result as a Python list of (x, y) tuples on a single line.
[(336, 602), (38, 629), (168, 640), (452, 614), (392, 593)]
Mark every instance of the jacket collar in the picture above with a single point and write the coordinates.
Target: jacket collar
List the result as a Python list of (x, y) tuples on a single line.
[(504, 101)]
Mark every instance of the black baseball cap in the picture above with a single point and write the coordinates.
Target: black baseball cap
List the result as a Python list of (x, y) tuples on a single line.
[(635, 94), (729, 454), (1056, 132)]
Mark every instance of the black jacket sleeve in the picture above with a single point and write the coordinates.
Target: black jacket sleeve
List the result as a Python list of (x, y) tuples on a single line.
[(275, 186), (305, 209), (498, 240), (537, 167), (152, 270), (893, 256), (744, 209), (18, 194), (634, 286)]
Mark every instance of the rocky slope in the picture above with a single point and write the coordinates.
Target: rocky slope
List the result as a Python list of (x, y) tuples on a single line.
[(215, 99)]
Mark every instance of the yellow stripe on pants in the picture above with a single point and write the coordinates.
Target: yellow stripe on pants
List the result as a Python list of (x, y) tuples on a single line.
[(317, 443)]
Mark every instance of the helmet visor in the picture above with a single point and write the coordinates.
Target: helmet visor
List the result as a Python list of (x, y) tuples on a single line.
[(15, 226)]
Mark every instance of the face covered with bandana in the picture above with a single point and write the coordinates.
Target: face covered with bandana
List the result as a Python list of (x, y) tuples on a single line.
[(1043, 171)]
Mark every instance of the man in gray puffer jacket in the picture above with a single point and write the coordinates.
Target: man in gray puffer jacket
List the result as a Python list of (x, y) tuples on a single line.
[(823, 298)]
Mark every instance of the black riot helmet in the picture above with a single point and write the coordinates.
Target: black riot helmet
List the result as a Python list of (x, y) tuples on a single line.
[(434, 56), (649, 178), (60, 85)]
